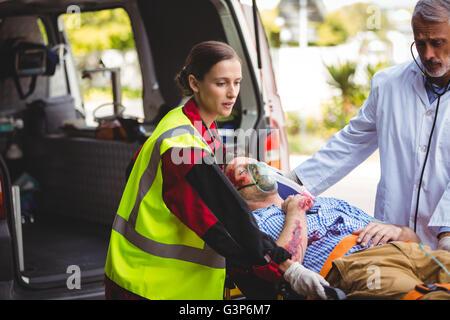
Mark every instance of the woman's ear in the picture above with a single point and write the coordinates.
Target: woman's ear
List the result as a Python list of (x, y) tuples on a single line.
[(193, 83)]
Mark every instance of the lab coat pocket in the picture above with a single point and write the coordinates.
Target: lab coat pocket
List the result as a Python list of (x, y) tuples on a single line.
[(444, 145)]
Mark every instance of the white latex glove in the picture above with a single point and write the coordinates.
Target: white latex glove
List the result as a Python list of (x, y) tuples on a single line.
[(444, 243), (306, 282)]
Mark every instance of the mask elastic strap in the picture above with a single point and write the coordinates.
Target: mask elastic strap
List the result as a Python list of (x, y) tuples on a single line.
[(247, 185)]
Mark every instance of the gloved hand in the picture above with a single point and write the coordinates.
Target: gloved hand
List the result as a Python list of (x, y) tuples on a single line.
[(444, 243), (306, 282)]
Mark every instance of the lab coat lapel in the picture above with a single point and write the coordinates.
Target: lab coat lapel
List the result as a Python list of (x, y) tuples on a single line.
[(419, 87)]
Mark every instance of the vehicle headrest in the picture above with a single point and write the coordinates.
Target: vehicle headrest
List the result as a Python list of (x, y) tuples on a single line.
[(26, 59), (21, 27)]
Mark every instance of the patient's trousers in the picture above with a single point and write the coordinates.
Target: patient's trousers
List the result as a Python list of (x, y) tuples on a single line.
[(389, 271)]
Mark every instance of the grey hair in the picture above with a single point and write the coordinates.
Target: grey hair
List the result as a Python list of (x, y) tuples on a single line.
[(433, 10)]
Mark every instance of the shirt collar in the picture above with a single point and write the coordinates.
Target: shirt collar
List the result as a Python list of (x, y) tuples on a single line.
[(428, 84), (191, 111), (210, 135)]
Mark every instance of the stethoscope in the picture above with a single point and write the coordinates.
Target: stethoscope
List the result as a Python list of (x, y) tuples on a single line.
[(439, 95), (214, 137)]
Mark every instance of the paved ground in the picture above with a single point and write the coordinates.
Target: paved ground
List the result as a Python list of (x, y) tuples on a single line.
[(358, 188)]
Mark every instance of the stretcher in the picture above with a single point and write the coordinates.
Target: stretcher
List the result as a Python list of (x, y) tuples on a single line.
[(254, 288), (246, 285)]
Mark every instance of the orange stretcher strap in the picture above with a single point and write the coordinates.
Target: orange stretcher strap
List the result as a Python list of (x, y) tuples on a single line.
[(421, 289), (343, 246)]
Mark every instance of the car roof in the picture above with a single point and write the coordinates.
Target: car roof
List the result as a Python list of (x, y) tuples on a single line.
[(18, 7)]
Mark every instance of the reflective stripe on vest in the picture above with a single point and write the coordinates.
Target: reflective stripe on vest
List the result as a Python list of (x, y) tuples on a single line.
[(206, 256), (149, 175), (182, 268)]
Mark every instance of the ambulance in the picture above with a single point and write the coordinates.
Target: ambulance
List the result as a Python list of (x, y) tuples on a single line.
[(62, 176)]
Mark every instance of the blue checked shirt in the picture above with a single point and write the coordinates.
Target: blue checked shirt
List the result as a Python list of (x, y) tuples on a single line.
[(329, 221)]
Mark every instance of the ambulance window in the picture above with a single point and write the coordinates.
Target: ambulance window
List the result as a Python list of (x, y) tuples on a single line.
[(104, 39), (57, 83)]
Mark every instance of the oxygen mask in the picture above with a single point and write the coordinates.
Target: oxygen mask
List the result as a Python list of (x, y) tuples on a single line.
[(266, 179)]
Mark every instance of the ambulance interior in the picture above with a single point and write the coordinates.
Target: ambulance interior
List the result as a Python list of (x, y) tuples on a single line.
[(70, 184)]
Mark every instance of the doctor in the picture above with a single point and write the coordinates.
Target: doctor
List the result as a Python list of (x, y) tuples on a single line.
[(407, 116)]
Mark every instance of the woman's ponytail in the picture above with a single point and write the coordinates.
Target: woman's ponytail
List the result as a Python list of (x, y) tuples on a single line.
[(182, 80)]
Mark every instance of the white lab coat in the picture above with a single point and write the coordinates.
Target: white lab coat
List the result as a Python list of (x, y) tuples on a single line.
[(397, 118)]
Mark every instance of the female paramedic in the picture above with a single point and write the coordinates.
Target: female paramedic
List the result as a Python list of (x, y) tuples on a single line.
[(179, 217)]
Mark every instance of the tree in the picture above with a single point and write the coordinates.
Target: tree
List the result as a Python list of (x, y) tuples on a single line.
[(342, 78), (342, 24), (101, 30), (344, 107)]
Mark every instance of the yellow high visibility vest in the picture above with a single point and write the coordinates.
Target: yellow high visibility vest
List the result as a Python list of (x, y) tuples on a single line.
[(151, 252)]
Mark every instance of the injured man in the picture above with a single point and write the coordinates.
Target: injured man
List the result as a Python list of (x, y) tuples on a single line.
[(370, 259)]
